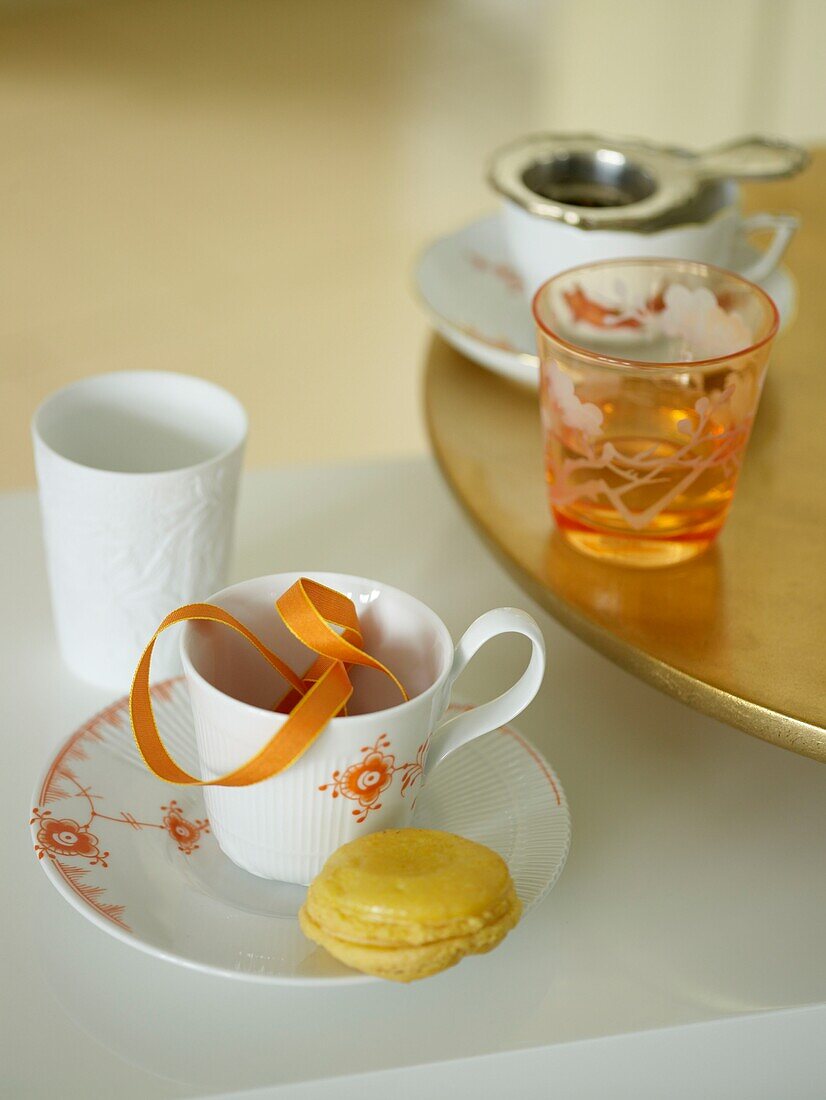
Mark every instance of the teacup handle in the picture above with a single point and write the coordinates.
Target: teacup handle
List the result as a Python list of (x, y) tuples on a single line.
[(458, 730), (784, 227)]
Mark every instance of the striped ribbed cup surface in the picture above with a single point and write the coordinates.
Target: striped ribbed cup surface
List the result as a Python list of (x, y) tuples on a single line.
[(345, 784)]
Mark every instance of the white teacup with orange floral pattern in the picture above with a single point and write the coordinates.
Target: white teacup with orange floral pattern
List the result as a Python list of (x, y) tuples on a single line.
[(363, 771)]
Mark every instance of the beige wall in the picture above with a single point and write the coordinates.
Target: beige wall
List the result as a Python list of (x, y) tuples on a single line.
[(693, 72), (237, 187)]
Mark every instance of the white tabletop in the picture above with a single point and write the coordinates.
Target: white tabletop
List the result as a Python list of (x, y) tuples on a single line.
[(695, 892)]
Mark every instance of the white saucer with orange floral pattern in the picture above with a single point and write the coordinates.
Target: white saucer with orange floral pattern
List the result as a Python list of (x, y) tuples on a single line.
[(136, 857), (478, 302)]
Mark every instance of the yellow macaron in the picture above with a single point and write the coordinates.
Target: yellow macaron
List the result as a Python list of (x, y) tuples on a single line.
[(406, 903)]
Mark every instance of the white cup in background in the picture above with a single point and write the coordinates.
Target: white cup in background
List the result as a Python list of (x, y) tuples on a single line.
[(710, 230), (138, 475), (362, 773)]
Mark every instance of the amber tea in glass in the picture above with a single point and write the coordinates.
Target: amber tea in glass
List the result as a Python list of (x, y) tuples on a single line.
[(651, 372)]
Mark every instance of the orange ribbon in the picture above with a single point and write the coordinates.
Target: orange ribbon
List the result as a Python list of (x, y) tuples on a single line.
[(310, 611)]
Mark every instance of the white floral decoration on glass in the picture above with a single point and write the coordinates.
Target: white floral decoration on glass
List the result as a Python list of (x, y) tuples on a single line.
[(698, 319), (715, 440), (582, 416)]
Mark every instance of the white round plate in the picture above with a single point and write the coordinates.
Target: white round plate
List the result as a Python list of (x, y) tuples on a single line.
[(136, 857), (476, 299)]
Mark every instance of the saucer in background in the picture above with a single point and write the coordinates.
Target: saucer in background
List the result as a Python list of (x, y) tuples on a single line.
[(477, 301)]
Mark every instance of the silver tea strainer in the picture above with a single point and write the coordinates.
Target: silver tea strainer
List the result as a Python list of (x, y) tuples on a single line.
[(597, 182)]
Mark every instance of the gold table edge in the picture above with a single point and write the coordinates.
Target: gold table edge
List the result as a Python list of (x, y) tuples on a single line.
[(783, 730)]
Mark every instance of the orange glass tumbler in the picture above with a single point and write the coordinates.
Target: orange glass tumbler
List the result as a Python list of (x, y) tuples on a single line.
[(651, 373)]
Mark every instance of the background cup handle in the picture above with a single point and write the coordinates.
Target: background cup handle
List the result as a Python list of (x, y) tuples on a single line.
[(457, 731), (784, 227)]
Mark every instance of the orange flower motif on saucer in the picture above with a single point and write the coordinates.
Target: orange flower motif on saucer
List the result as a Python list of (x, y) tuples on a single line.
[(186, 834), (365, 781), (61, 836), (73, 849)]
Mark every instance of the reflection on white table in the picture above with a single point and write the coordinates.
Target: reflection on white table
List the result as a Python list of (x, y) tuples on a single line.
[(694, 893)]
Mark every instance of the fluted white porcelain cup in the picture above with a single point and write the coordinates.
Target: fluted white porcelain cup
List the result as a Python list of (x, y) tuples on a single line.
[(362, 773), (138, 474)]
